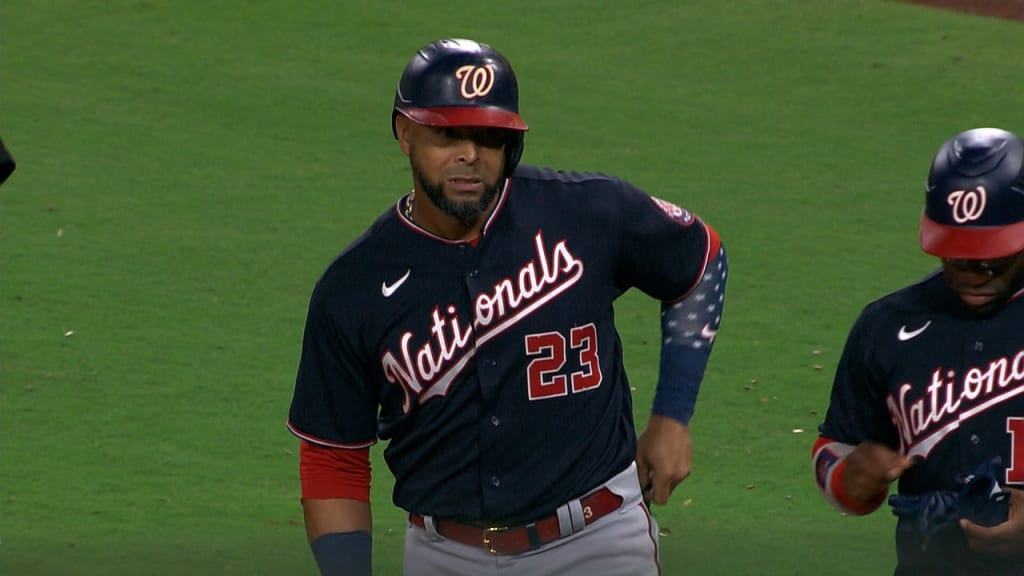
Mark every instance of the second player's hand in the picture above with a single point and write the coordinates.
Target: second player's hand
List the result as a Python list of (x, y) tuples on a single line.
[(663, 457), (1006, 539), (870, 468)]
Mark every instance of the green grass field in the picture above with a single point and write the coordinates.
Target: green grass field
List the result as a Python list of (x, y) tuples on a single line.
[(187, 169)]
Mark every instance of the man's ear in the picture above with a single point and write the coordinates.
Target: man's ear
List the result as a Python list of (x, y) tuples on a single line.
[(403, 132)]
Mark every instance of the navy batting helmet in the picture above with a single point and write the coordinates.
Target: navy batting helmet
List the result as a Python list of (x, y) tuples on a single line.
[(457, 82), (974, 198)]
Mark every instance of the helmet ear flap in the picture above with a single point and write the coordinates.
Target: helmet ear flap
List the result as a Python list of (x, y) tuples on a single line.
[(513, 151)]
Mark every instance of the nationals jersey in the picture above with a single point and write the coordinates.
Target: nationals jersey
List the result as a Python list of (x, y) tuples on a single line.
[(493, 367), (922, 375)]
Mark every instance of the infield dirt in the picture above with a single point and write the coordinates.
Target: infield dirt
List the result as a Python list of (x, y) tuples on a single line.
[(1009, 9)]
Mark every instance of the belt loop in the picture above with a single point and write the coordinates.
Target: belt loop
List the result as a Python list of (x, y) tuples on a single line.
[(431, 528), (564, 521), (533, 536), (576, 515)]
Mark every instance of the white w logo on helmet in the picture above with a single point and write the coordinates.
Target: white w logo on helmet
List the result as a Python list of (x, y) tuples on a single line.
[(967, 205), (477, 81)]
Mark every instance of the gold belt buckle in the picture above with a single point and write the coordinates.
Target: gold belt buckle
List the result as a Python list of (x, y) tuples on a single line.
[(488, 532)]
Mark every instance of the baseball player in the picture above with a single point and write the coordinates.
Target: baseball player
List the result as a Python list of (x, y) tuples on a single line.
[(929, 386), (472, 327)]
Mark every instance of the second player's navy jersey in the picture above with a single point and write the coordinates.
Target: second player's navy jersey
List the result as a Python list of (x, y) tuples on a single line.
[(924, 376), (493, 367)]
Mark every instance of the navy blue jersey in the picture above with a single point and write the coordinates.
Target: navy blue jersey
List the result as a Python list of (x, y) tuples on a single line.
[(493, 367), (922, 375)]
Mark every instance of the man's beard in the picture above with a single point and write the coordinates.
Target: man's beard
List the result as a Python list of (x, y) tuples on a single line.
[(468, 212)]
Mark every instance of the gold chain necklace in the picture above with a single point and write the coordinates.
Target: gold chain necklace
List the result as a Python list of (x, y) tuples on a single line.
[(408, 204)]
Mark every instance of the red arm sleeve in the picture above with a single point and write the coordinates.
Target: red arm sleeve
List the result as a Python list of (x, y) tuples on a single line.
[(829, 462), (328, 473)]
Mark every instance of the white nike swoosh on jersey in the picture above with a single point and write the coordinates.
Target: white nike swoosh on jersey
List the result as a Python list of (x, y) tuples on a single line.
[(387, 290), (707, 333), (904, 335)]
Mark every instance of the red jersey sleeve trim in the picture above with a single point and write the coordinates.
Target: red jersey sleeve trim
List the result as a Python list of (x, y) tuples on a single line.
[(714, 243), (328, 473), (315, 440)]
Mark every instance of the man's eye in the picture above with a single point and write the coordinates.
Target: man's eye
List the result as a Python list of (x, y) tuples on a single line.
[(492, 139), (488, 137)]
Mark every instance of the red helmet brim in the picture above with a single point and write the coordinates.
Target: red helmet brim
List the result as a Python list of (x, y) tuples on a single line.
[(972, 243), (466, 116)]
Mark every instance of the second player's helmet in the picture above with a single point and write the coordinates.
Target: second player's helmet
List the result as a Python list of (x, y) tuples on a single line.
[(457, 82), (974, 198)]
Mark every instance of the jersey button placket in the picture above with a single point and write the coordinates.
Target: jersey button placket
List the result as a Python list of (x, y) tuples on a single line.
[(490, 424), (970, 442)]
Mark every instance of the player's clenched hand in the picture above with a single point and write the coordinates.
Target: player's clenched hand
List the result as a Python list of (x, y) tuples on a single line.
[(663, 457), (1006, 539), (870, 468)]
